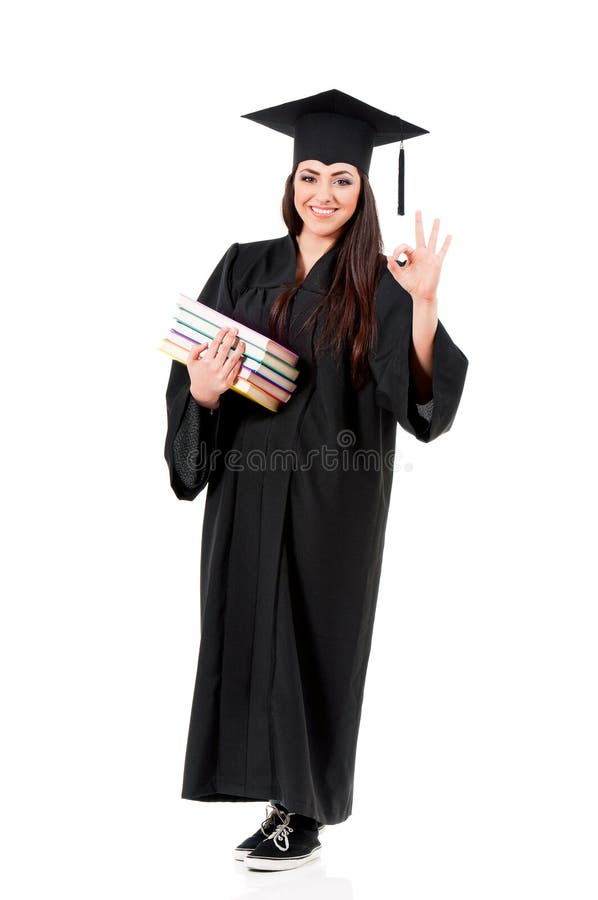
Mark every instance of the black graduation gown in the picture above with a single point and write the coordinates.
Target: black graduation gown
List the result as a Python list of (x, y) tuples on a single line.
[(292, 543)]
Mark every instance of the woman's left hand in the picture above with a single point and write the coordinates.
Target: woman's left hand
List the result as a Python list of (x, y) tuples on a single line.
[(421, 273)]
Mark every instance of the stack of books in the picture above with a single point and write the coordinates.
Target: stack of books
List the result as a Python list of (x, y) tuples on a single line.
[(268, 372)]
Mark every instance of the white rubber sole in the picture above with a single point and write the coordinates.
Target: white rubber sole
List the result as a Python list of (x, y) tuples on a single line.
[(278, 865)]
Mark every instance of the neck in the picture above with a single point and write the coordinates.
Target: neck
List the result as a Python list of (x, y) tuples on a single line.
[(312, 246)]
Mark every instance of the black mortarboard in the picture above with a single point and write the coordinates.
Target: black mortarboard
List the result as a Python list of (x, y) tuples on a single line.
[(335, 127)]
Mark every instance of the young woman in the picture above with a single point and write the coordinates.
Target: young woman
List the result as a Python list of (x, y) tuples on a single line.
[(297, 500)]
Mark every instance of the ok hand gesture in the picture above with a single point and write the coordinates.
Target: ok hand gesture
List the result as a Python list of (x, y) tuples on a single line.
[(421, 273)]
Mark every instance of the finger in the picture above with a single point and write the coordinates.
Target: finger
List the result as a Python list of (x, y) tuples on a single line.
[(234, 359), (215, 343), (395, 268), (230, 359), (402, 256), (231, 374), (402, 248), (225, 343), (419, 230), (434, 236), (445, 246), (195, 351)]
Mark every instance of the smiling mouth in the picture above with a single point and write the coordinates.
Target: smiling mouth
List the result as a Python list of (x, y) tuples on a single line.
[(323, 212)]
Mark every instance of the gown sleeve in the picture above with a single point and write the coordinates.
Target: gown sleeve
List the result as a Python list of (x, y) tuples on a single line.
[(389, 365), (191, 433)]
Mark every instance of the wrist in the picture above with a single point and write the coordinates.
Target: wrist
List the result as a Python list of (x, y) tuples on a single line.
[(424, 320), (424, 302), (207, 404)]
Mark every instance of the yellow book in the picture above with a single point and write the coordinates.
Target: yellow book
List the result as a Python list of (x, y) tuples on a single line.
[(240, 385)]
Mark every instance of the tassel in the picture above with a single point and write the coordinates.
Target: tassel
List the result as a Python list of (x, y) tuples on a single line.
[(401, 207)]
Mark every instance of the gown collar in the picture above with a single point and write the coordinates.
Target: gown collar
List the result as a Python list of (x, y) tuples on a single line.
[(319, 277)]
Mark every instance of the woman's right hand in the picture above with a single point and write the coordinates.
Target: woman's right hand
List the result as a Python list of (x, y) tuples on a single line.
[(213, 373)]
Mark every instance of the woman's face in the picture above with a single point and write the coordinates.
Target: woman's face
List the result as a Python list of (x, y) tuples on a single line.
[(326, 196)]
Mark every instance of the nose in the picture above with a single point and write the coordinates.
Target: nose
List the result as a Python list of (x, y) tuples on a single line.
[(324, 195)]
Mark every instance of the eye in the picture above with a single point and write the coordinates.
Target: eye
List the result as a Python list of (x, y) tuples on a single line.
[(343, 181)]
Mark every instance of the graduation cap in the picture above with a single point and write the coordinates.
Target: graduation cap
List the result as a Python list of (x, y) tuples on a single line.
[(335, 127)]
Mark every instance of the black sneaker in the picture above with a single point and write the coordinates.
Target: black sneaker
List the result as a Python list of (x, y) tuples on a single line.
[(293, 842), (273, 818)]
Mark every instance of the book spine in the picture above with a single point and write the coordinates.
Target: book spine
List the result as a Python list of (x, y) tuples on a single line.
[(195, 307)]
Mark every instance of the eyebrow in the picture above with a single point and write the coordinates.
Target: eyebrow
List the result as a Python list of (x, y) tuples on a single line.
[(334, 174)]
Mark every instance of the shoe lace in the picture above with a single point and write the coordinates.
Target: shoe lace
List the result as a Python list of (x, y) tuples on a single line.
[(280, 835), (271, 818)]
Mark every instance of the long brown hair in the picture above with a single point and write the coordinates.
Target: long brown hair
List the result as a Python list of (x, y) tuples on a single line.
[(350, 310)]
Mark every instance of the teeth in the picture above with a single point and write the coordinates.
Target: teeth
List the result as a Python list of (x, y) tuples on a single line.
[(322, 212)]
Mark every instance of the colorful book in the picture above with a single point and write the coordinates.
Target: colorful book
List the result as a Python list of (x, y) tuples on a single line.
[(246, 334), (258, 347), (268, 371), (174, 349), (277, 371)]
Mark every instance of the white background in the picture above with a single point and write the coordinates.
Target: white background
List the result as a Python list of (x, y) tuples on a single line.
[(127, 171)]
